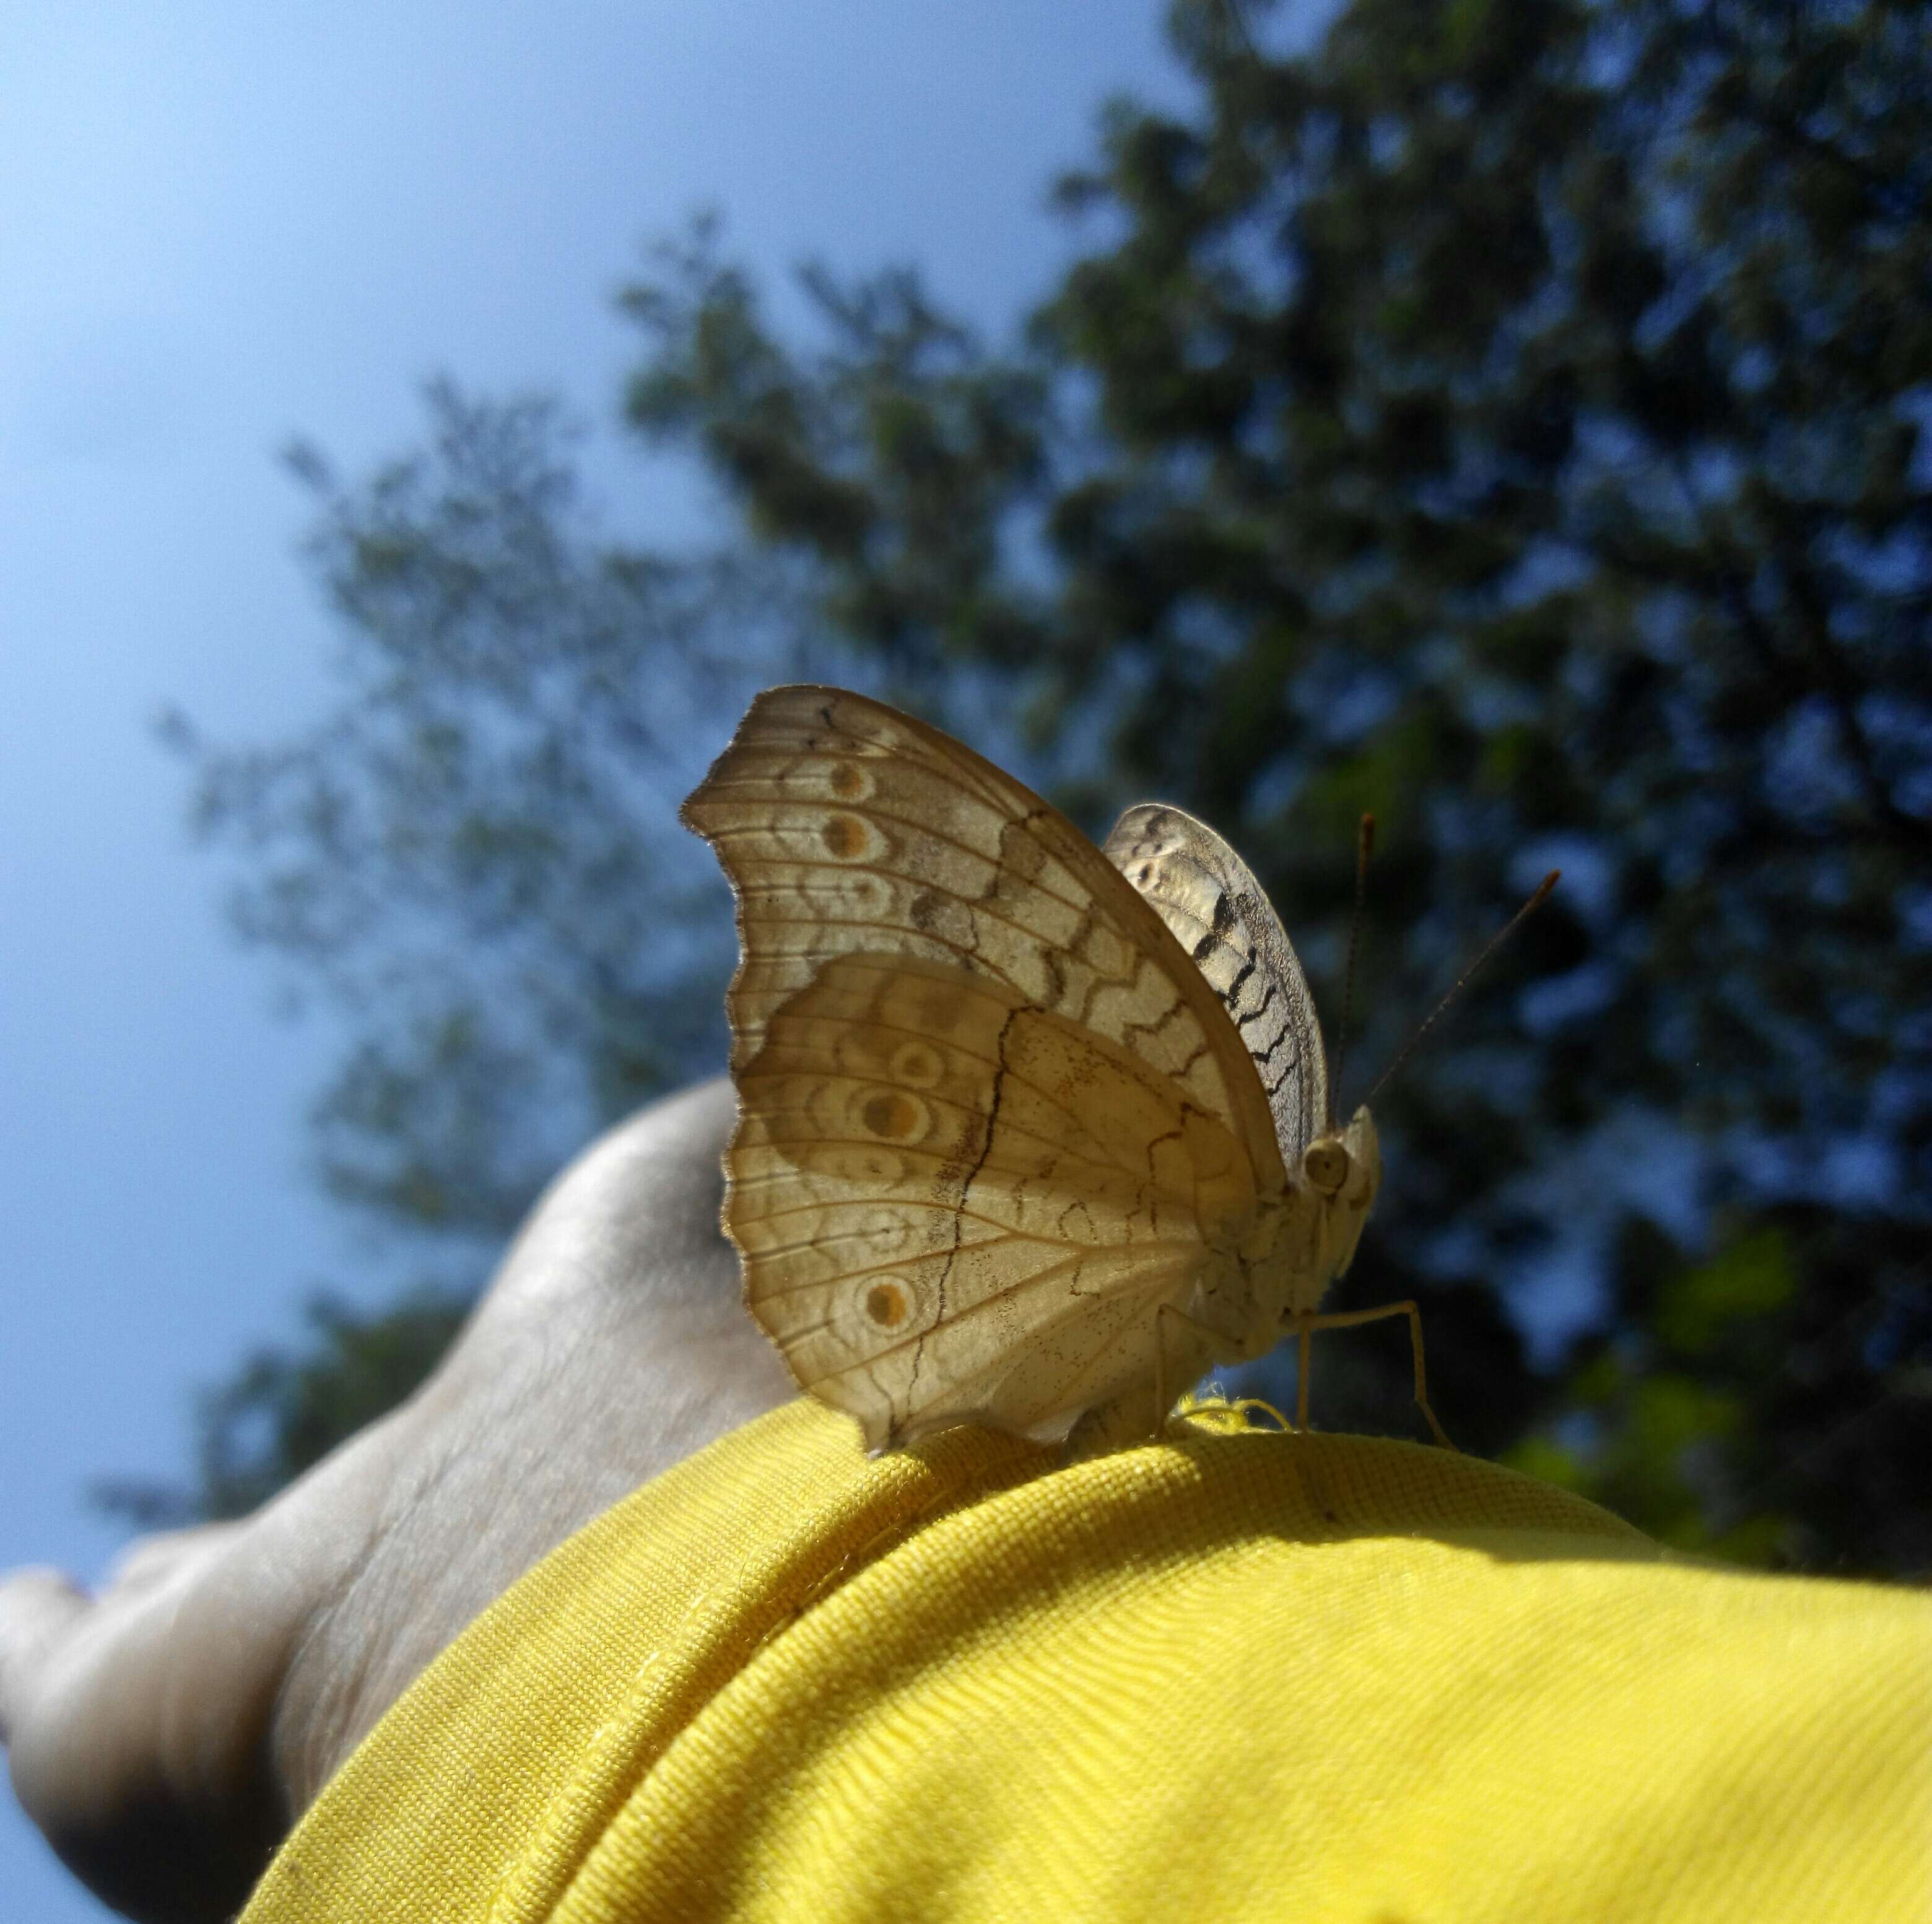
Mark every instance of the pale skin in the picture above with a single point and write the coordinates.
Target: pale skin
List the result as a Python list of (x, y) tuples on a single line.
[(164, 1731)]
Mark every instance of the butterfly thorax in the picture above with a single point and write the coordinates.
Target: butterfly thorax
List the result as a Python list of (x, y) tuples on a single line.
[(1300, 1239)]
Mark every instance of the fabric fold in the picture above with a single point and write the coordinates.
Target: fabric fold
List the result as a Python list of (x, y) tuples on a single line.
[(1305, 1675)]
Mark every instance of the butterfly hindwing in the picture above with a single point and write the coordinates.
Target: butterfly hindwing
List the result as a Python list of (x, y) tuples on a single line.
[(955, 1206), (1206, 895)]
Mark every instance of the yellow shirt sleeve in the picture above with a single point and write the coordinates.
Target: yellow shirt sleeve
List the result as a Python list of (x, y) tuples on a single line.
[(1316, 1678)]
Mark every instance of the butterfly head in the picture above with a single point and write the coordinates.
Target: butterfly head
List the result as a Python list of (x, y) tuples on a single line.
[(1343, 1169)]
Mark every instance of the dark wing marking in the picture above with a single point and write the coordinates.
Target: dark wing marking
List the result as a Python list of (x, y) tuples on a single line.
[(1205, 894)]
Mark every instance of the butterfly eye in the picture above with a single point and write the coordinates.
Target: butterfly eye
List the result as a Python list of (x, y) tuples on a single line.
[(1326, 1166)]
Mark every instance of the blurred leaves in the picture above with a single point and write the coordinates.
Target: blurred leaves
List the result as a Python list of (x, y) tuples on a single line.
[(1768, 1402), (1508, 419), (468, 857)]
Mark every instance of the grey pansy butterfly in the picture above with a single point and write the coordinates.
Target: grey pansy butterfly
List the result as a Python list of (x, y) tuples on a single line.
[(1028, 1136)]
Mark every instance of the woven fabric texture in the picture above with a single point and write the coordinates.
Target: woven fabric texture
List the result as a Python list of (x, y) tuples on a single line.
[(1236, 1675)]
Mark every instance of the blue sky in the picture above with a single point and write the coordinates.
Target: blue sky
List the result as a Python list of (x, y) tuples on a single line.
[(221, 225)]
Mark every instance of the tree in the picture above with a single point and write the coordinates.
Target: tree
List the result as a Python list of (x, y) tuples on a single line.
[(1506, 418), (468, 861), (467, 854)]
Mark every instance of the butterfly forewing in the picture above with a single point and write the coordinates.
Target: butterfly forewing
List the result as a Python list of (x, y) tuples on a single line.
[(844, 825), (1206, 895), (991, 1117)]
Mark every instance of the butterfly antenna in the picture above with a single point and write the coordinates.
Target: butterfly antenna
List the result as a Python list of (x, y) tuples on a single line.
[(1365, 847), (1461, 982)]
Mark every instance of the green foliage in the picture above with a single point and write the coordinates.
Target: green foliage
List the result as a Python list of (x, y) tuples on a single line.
[(467, 857), (1766, 1402), (1505, 419), (1746, 1280)]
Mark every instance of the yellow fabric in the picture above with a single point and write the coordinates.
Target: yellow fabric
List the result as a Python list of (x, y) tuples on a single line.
[(1231, 1676)]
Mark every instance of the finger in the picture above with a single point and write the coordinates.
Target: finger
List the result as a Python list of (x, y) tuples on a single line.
[(135, 1722), (40, 1610)]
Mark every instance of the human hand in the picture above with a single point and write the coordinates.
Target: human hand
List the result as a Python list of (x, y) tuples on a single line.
[(166, 1731)]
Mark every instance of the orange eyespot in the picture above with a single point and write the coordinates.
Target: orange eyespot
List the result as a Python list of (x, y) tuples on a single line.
[(887, 1305), (916, 1065), (845, 837), (894, 1114), (1325, 1164)]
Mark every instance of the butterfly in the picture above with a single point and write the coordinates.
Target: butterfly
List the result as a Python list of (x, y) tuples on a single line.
[(1031, 1133)]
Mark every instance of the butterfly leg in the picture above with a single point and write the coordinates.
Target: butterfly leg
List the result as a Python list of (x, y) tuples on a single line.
[(1166, 1395), (1304, 1355), (1306, 1326)]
